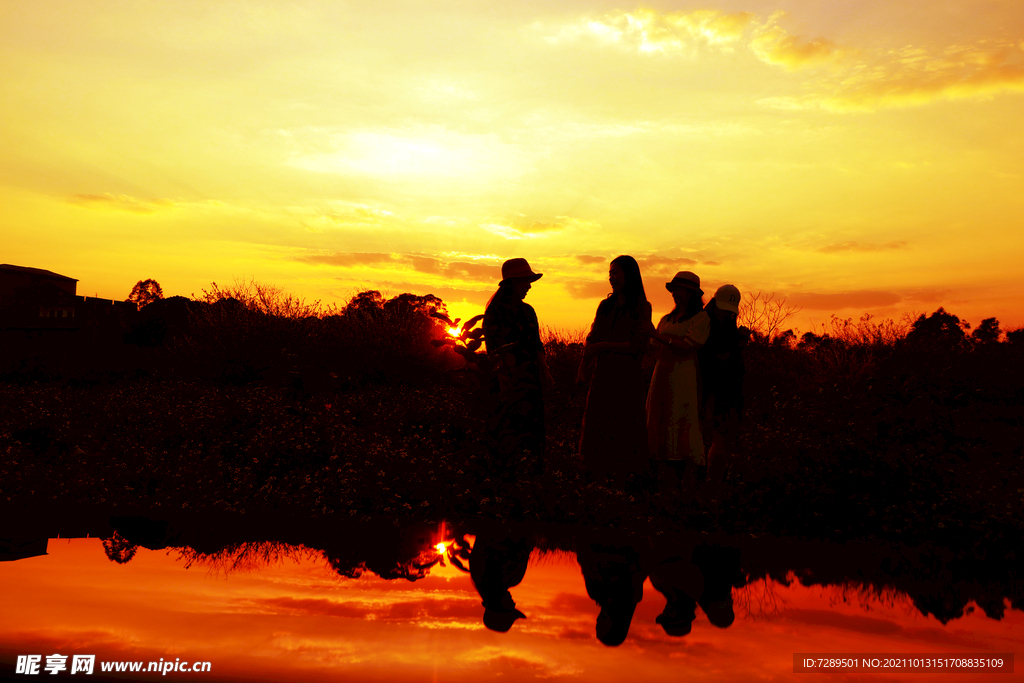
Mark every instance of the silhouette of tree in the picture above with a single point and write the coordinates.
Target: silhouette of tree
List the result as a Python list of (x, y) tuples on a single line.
[(764, 314), (145, 292), (939, 329), (786, 339), (369, 303), (988, 331), (413, 303), (1015, 336)]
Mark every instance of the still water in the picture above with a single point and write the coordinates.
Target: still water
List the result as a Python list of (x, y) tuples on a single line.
[(692, 607)]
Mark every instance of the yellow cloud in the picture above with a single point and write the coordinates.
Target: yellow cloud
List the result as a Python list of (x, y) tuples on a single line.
[(650, 32), (515, 230), (121, 202), (862, 247), (914, 76), (899, 77), (774, 46)]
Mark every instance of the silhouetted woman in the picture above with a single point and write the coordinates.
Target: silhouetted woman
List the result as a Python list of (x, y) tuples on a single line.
[(613, 441), (512, 336), (722, 370), (673, 415)]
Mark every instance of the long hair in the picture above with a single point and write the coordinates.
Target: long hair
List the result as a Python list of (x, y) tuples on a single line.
[(500, 296), (633, 291), (694, 305)]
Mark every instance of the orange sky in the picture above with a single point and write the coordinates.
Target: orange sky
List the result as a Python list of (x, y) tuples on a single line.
[(854, 155), (298, 619)]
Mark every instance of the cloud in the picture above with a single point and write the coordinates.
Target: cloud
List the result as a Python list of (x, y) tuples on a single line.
[(348, 259), (927, 296), (308, 606), (864, 298), (538, 226), (515, 230), (482, 272), (406, 610), (914, 76), (588, 260), (420, 153), (663, 265), (647, 31), (120, 202), (773, 45), (862, 247), (355, 216), (861, 79), (445, 293), (455, 270), (846, 622), (587, 289)]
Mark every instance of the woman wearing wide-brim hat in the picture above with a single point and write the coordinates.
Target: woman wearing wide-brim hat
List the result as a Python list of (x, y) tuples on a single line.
[(512, 338), (673, 415)]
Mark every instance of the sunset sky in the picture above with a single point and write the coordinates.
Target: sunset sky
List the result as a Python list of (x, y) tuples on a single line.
[(853, 155)]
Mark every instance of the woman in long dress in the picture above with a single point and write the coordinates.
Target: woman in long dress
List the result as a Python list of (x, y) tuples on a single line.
[(613, 441), (673, 416)]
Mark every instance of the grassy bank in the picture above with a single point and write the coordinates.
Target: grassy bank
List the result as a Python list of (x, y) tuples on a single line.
[(897, 438)]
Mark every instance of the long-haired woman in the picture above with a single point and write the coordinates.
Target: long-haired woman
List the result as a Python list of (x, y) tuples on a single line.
[(512, 336), (613, 441), (673, 416)]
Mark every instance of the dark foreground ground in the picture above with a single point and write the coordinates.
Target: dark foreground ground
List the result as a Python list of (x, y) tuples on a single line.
[(912, 447)]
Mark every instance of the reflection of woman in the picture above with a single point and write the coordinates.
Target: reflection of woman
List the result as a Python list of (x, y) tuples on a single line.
[(614, 577), (496, 564), (612, 439), (673, 422), (512, 335)]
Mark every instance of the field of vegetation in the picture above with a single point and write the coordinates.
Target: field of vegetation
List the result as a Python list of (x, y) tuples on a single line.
[(250, 400)]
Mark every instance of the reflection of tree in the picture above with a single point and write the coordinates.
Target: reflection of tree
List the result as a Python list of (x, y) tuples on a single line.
[(247, 556), (389, 552), (119, 549), (757, 600)]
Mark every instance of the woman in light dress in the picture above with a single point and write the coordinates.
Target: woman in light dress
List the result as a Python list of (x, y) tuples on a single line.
[(673, 416)]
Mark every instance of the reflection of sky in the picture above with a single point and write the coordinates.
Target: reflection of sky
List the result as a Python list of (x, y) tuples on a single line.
[(297, 619)]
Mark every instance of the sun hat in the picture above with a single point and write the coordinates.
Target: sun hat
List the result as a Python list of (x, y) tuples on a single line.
[(727, 298), (517, 269), (684, 279)]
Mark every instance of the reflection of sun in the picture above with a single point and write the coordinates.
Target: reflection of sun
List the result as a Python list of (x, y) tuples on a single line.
[(440, 547)]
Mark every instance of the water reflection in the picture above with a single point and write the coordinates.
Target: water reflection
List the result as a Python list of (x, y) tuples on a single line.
[(676, 595)]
